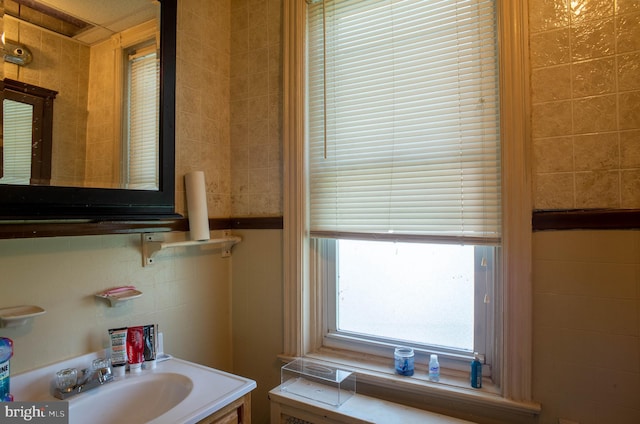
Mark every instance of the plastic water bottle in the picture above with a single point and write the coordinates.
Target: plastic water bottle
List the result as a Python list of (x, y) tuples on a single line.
[(6, 352), (434, 368), (476, 372)]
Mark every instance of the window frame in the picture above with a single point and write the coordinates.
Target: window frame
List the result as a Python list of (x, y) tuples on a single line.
[(514, 338), (450, 358)]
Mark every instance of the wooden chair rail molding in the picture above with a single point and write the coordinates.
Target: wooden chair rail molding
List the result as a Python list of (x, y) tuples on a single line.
[(30, 229), (542, 220), (586, 219)]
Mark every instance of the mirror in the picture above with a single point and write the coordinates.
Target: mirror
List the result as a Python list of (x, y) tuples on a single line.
[(97, 178)]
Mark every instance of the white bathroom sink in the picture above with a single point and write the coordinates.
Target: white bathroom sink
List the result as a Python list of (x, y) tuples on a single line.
[(175, 392), (135, 398)]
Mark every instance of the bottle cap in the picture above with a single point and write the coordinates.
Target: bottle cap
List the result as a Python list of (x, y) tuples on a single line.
[(149, 365), (434, 357), (404, 351), (118, 371)]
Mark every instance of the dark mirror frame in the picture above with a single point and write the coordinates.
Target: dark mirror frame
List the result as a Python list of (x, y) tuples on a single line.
[(47, 202)]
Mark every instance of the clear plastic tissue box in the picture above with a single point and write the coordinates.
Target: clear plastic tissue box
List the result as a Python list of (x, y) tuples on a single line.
[(318, 381)]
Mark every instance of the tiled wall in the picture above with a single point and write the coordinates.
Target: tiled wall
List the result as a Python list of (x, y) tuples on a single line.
[(202, 101), (585, 59), (102, 149), (256, 108), (586, 350), (585, 92), (64, 65), (187, 291)]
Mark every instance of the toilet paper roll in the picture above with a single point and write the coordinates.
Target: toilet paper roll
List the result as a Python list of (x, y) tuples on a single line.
[(197, 205)]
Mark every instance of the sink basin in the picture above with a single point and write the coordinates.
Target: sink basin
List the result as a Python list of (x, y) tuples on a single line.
[(122, 401), (175, 392)]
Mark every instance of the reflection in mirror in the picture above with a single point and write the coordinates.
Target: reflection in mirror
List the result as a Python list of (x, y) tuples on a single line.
[(95, 104), (27, 127), (102, 59)]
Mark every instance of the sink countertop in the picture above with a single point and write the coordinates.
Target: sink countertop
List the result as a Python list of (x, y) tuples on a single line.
[(212, 389)]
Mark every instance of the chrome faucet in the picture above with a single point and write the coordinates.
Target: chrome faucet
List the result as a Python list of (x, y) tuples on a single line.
[(98, 374)]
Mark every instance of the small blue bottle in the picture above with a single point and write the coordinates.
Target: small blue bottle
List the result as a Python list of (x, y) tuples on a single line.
[(476, 372), (6, 352)]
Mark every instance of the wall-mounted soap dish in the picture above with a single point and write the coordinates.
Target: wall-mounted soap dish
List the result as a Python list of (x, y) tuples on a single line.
[(118, 295), (16, 316)]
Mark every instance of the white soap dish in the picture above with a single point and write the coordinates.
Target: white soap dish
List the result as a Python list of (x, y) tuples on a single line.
[(117, 295), (16, 316)]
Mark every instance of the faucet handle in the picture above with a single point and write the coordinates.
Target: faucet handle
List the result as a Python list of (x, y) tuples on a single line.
[(102, 366), (101, 363), (66, 379), (104, 375)]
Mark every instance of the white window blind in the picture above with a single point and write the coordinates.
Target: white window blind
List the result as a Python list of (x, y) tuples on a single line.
[(17, 127), (403, 119), (143, 119)]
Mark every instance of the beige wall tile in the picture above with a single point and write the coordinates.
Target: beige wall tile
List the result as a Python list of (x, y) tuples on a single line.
[(592, 40), (553, 155), (594, 114), (259, 84), (239, 41), (627, 6), (550, 48), (590, 10), (629, 71), (593, 77), (549, 84), (629, 114), (545, 15), (239, 19), (597, 151), (628, 32), (630, 149), (597, 189), (551, 119), (630, 188), (554, 191)]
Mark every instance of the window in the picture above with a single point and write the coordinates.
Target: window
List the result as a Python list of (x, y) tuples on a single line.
[(432, 297), (18, 118), (321, 104), (142, 124), (403, 145), (25, 158)]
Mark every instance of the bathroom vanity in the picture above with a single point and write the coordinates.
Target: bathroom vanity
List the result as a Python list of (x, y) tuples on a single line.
[(175, 391), (237, 412)]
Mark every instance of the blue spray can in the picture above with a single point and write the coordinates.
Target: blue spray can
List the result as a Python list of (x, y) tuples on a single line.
[(476, 372), (6, 352)]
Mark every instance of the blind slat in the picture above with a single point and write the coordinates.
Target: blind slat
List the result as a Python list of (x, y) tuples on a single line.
[(405, 106)]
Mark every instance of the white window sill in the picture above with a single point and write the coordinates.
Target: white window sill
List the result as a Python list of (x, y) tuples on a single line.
[(452, 395)]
